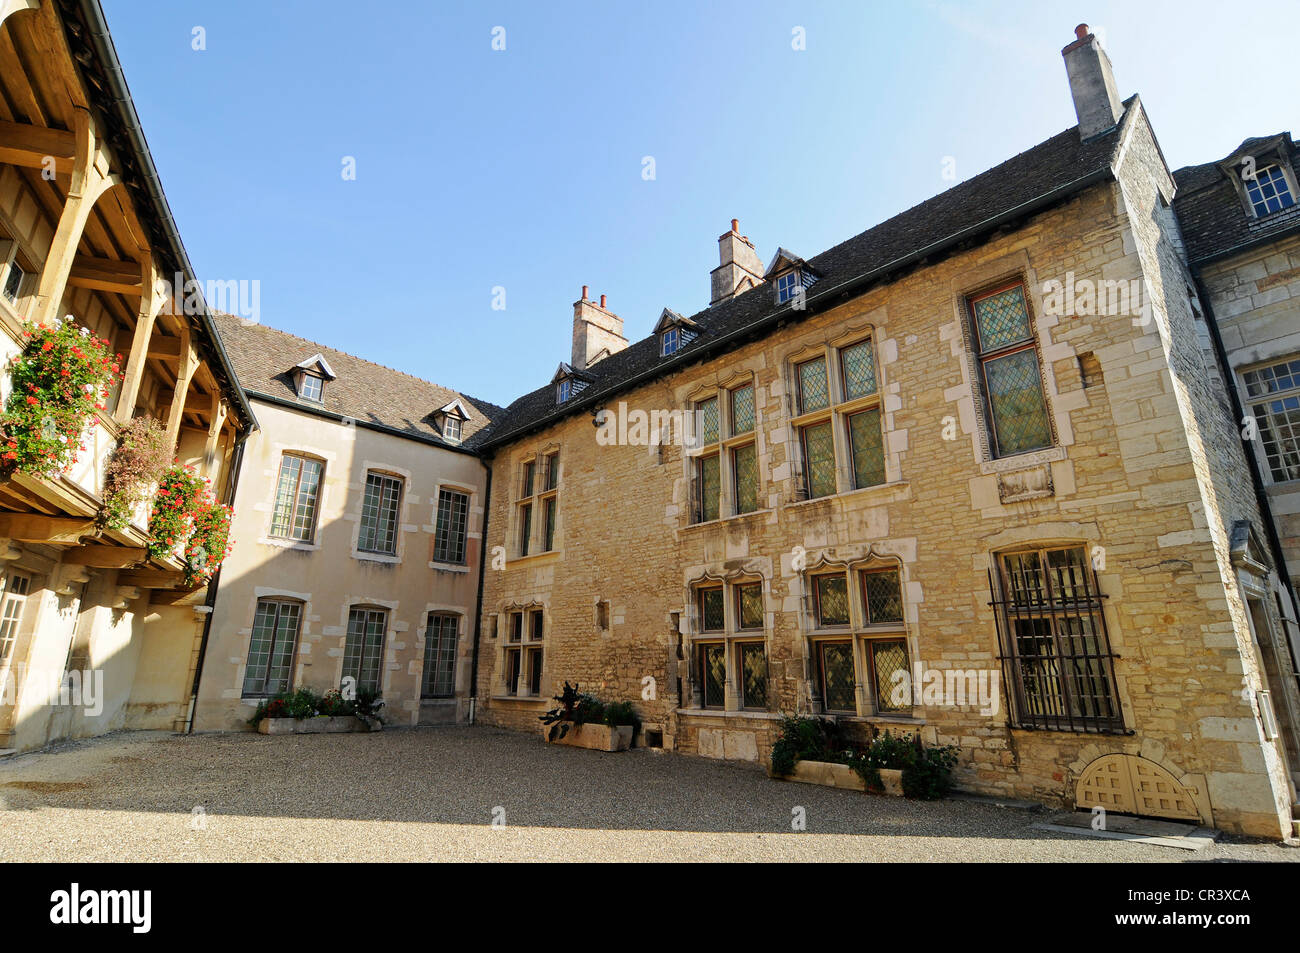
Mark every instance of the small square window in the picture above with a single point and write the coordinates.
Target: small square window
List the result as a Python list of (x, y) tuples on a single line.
[(1269, 191), (311, 387), (14, 281), (787, 286), (671, 341), (451, 428), (564, 390)]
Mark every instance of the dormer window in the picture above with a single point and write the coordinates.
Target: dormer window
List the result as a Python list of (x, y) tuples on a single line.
[(451, 420), (1268, 191), (790, 274), (568, 383), (311, 387), (675, 332), (787, 286), (564, 390), (309, 378)]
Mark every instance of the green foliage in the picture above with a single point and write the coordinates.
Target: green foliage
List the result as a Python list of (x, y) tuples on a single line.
[(59, 380), (927, 772), (187, 515), (305, 703), (141, 458), (580, 708), (804, 738)]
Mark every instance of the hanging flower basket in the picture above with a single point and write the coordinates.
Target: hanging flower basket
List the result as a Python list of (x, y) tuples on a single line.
[(188, 523), (60, 379)]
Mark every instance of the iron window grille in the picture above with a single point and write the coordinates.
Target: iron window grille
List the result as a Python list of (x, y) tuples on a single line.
[(1054, 644)]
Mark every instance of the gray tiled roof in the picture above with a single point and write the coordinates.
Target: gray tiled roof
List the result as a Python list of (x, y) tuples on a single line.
[(1049, 172), (367, 392), (1211, 215)]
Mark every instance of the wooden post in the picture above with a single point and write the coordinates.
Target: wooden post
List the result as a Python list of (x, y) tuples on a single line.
[(214, 434), (89, 182), (151, 303), (184, 374), (9, 7)]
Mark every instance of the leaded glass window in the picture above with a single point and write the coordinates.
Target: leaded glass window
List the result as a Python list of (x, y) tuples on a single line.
[(271, 648), (859, 368), (749, 605), (525, 528), (1013, 387), (837, 683), (297, 492), (379, 509), (709, 482), (744, 467), (440, 635), (814, 392), (882, 596), (712, 610), (893, 681), (753, 675), (548, 509), (364, 649), (867, 447), (449, 532), (552, 471), (742, 409), (819, 459), (832, 594), (713, 671), (707, 418)]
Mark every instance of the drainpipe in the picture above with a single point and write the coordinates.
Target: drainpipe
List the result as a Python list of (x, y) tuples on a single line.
[(210, 599), (1256, 478), (478, 605)]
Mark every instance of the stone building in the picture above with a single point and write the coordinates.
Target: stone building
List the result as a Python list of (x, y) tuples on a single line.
[(95, 635), (968, 474), (359, 509)]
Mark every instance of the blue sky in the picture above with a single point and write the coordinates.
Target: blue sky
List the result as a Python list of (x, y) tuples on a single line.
[(522, 168)]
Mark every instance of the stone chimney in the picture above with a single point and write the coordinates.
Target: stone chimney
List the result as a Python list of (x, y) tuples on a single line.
[(1092, 84), (739, 268), (597, 331)]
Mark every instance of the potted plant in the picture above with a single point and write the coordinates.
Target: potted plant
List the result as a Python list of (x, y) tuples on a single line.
[(584, 721), (811, 750), (902, 767)]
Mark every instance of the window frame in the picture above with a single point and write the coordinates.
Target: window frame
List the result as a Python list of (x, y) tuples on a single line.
[(433, 653), (368, 613), (732, 639), (306, 376), (11, 622), (788, 285), (523, 653), (537, 507), (442, 551), (292, 520), (1283, 176), (724, 448), (385, 480), (984, 358), (452, 428), (280, 603), (1286, 469), (836, 417), (12, 267), (669, 341)]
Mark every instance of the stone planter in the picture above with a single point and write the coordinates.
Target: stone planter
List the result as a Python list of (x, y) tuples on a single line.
[(595, 737), (828, 774), (892, 779), (321, 724)]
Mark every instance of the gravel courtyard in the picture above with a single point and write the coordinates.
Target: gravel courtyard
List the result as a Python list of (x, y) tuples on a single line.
[(432, 795)]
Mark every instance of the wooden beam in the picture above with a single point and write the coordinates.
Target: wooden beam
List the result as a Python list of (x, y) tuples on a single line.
[(152, 300), (32, 146), (167, 349), (150, 578), (30, 528), (105, 274), (106, 557)]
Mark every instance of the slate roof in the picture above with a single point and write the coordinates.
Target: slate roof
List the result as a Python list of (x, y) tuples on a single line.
[(1211, 215), (1047, 174), (367, 392)]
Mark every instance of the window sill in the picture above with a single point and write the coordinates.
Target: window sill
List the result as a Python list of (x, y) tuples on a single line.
[(1023, 461), (868, 719), (550, 555), (376, 557), (724, 520), (449, 567), (721, 713), (520, 699), (281, 543), (880, 489)]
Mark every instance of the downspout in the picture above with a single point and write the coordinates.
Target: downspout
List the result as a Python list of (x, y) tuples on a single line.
[(478, 605), (1256, 478), (210, 600)]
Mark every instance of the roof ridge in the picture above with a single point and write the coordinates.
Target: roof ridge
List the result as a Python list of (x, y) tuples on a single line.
[(356, 357)]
